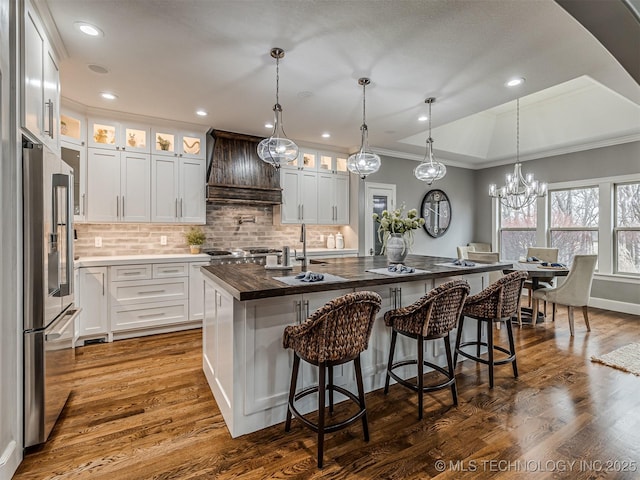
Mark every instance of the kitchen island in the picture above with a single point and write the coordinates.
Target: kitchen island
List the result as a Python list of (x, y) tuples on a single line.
[(247, 308)]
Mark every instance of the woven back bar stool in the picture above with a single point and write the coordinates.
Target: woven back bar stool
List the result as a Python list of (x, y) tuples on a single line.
[(431, 317), (496, 303), (334, 334)]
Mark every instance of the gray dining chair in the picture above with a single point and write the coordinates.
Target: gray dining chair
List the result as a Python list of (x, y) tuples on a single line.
[(480, 247), (544, 254), (574, 292), (463, 252)]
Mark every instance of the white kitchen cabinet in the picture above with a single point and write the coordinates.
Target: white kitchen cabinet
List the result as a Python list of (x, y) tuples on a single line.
[(118, 186), (196, 291), (40, 82), (76, 157), (144, 302), (110, 134), (307, 160), (93, 320), (333, 199), (333, 163), (178, 143), (73, 127), (178, 190), (299, 196)]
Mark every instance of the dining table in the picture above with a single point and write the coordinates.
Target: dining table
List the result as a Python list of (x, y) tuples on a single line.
[(535, 271)]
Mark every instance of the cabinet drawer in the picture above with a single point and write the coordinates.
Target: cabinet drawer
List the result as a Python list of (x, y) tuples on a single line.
[(130, 272), (132, 292), (166, 270), (131, 317)]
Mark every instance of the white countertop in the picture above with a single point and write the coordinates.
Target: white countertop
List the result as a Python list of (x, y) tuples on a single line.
[(132, 259)]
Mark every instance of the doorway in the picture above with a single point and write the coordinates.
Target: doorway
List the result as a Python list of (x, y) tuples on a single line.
[(379, 197)]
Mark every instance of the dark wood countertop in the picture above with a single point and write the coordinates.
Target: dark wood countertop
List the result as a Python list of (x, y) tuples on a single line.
[(250, 281)]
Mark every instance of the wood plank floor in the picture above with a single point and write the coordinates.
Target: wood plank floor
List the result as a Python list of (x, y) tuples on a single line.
[(142, 409)]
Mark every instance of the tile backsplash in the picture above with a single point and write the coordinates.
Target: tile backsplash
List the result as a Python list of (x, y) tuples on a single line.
[(228, 226)]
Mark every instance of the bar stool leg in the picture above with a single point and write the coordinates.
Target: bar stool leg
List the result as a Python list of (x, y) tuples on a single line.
[(458, 338), (479, 338), (512, 349), (321, 394), (490, 347), (363, 406), (394, 335), (447, 348), (292, 390), (330, 389), (420, 373)]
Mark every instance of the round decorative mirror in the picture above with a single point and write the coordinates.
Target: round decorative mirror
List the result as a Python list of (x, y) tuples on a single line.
[(436, 211)]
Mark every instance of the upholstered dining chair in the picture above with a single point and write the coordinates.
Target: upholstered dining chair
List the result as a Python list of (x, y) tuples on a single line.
[(543, 254), (463, 252), (334, 334), (480, 247), (429, 318), (496, 303), (574, 292), (487, 257)]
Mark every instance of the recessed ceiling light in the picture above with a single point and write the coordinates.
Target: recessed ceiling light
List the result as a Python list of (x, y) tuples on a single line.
[(514, 82), (202, 113), (89, 29), (326, 135), (268, 125), (94, 67), (108, 95), (423, 118)]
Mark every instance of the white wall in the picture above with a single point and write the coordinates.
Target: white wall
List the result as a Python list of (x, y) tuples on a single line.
[(10, 293)]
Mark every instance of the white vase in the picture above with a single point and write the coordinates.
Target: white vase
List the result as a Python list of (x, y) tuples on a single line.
[(397, 248)]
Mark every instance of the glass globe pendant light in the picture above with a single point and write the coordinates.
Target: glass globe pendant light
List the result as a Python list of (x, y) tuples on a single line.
[(277, 149), (364, 162), (520, 190), (429, 169)]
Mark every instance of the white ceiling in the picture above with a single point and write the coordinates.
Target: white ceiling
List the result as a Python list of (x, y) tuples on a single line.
[(167, 58)]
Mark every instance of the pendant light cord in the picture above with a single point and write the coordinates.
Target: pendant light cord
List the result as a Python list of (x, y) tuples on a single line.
[(518, 130), (277, 79)]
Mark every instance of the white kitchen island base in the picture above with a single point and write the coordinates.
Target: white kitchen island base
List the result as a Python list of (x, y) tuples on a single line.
[(249, 371)]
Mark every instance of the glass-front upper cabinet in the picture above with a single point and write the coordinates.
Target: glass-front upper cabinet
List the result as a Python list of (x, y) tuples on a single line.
[(73, 127), (307, 160), (334, 163), (178, 143), (115, 135), (75, 156)]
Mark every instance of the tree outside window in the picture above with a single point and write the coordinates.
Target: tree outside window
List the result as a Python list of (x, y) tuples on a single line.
[(627, 228), (574, 217), (517, 231)]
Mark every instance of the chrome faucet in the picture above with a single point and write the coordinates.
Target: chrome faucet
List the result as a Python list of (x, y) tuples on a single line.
[(303, 239)]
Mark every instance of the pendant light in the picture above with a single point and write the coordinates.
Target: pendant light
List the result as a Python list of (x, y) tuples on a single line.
[(429, 169), (364, 162), (519, 191), (277, 149)]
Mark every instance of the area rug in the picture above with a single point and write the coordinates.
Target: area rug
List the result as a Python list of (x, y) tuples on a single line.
[(625, 358)]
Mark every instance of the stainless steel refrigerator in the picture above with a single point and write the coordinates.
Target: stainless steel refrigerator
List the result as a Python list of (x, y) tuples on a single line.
[(49, 313)]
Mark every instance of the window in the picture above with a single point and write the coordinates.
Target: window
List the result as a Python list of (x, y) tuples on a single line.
[(627, 228), (517, 231), (574, 218)]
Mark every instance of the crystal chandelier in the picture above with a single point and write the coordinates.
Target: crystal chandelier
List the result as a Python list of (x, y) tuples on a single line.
[(429, 169), (364, 162), (519, 191), (277, 149)]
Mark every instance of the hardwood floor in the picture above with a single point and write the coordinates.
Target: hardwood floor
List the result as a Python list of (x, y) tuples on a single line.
[(142, 409)]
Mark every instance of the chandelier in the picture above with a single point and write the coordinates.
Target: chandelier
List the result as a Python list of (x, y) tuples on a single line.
[(519, 191), (277, 149), (364, 162), (429, 169)]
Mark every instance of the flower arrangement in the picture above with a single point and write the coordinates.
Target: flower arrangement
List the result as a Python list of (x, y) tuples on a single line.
[(394, 222)]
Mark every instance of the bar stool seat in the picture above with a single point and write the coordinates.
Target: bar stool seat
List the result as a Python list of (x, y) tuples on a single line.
[(431, 317), (334, 334), (496, 303)]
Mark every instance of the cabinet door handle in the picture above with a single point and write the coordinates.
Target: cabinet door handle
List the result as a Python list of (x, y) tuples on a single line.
[(83, 204), (176, 208), (181, 214), (147, 292), (102, 283), (117, 206), (306, 306), (298, 307), (49, 105), (123, 207), (302, 212), (149, 315), (400, 297)]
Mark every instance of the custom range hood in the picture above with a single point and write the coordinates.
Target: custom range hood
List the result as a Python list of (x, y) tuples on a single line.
[(237, 175)]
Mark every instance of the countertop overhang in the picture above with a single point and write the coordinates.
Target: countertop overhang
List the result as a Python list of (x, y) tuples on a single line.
[(251, 282)]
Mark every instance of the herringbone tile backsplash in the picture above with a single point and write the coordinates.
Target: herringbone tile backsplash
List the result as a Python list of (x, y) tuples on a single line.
[(223, 230)]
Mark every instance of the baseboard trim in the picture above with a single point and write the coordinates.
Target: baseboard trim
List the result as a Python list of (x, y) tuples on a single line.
[(615, 306), (9, 460)]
